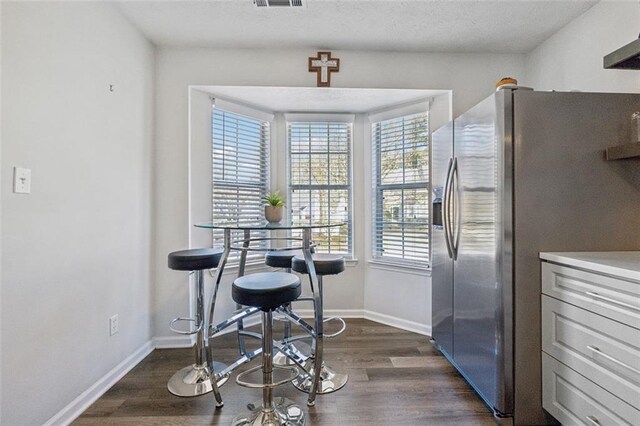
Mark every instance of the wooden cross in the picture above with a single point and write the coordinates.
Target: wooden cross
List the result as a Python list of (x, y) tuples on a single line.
[(324, 65)]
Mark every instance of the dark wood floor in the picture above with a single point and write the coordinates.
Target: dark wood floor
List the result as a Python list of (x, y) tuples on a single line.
[(395, 378)]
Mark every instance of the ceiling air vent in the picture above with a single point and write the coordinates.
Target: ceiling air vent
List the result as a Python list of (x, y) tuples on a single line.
[(277, 3)]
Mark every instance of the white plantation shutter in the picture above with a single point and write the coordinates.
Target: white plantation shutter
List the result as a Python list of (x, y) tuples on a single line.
[(320, 181), (240, 148), (401, 189)]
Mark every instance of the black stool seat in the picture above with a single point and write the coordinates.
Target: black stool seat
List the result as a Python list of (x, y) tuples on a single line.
[(266, 290), (194, 259), (325, 264), (280, 258)]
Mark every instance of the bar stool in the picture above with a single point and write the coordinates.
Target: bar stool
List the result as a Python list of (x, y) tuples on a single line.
[(327, 380), (281, 258), (267, 291), (194, 380)]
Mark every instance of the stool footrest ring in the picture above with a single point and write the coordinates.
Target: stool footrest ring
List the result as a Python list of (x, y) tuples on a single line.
[(184, 319), (239, 378), (339, 332)]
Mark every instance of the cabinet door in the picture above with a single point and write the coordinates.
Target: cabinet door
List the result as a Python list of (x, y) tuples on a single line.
[(604, 351), (611, 297), (574, 400)]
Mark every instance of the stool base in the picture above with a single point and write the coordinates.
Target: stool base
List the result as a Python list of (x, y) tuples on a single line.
[(194, 380), (282, 360), (330, 381), (286, 412)]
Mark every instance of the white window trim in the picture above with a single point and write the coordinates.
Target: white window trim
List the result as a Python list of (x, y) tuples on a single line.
[(400, 111), (257, 114), (242, 109), (292, 117), (312, 117), (375, 116)]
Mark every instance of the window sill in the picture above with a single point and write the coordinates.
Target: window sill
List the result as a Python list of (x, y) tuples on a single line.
[(397, 267)]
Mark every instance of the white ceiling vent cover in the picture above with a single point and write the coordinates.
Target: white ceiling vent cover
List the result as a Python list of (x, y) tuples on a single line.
[(278, 3)]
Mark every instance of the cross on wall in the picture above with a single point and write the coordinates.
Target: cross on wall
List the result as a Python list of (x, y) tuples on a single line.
[(324, 65)]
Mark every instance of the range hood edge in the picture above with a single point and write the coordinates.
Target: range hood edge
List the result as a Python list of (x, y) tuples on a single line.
[(627, 57)]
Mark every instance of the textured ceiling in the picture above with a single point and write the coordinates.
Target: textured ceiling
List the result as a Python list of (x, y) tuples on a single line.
[(515, 26)]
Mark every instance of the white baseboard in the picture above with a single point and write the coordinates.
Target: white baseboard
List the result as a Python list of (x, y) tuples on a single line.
[(173, 342), (91, 395), (403, 324), (385, 319), (328, 313), (396, 322)]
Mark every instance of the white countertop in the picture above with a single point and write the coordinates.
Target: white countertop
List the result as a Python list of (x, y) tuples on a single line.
[(623, 264)]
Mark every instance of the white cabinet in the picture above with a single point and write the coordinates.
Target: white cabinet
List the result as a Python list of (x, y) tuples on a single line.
[(591, 337)]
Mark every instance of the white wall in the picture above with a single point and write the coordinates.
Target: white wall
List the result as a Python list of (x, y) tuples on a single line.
[(77, 249), (571, 59), (0, 210), (471, 77)]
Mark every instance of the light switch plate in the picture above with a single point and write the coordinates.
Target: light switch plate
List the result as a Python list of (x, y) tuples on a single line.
[(21, 180)]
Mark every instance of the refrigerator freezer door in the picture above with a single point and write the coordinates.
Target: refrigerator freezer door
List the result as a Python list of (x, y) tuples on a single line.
[(441, 261), (479, 186)]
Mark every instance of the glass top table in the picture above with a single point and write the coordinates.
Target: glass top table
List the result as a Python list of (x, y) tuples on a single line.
[(243, 244), (264, 225)]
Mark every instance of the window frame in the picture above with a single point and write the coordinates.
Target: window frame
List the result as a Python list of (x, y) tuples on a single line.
[(290, 118), (266, 121), (377, 188)]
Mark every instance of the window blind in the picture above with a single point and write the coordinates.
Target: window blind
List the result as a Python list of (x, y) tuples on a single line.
[(320, 181), (240, 149), (401, 189)]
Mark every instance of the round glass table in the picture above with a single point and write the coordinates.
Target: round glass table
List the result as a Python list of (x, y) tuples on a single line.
[(243, 245)]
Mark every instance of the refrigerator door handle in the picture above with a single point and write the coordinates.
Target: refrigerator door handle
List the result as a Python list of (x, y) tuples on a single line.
[(445, 210), (455, 196)]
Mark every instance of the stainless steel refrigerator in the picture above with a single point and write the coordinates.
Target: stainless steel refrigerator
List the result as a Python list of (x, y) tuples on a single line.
[(520, 173)]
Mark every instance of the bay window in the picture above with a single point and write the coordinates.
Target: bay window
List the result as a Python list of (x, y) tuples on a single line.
[(319, 188), (400, 148)]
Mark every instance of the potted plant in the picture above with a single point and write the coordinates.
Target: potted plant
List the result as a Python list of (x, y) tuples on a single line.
[(275, 206)]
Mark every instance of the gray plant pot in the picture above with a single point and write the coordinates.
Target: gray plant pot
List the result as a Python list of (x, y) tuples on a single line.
[(273, 214)]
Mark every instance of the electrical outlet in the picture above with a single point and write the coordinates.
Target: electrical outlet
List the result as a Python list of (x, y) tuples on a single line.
[(113, 325)]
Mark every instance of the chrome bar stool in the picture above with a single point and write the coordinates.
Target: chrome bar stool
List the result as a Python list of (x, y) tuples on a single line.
[(321, 378), (194, 380), (267, 291)]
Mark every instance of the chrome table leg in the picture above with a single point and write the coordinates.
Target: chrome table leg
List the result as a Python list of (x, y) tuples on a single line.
[(319, 324), (323, 378), (212, 304), (243, 262)]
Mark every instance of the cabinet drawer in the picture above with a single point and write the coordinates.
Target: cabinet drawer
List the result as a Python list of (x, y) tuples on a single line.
[(574, 400), (614, 298), (602, 350)]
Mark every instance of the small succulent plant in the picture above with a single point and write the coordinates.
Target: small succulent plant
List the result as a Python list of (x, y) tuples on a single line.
[(274, 199)]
